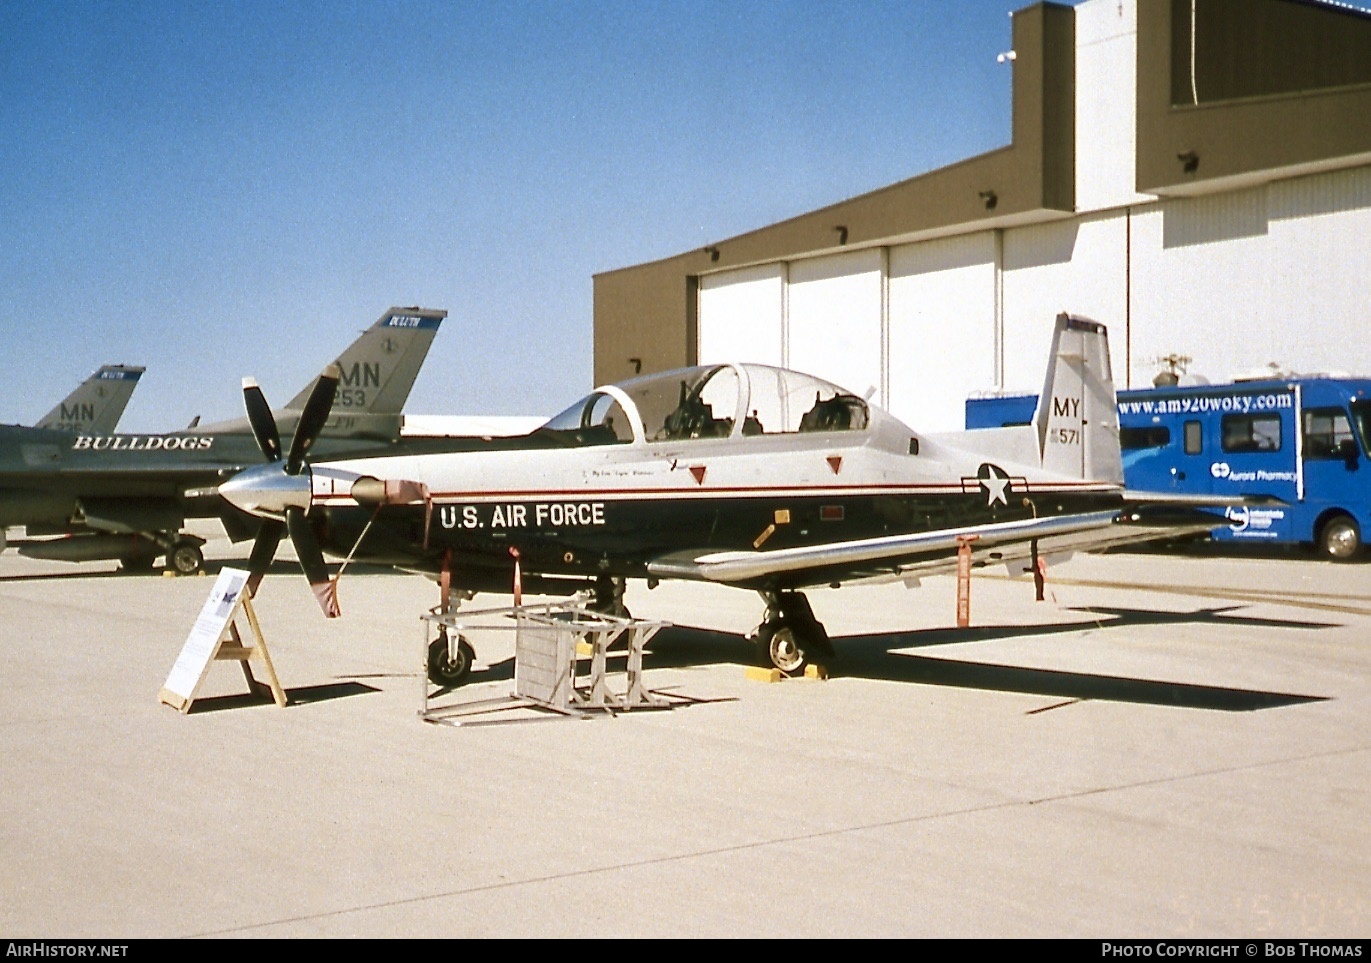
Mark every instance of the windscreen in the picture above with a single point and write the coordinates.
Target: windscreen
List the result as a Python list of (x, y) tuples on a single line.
[(597, 419), (1361, 423)]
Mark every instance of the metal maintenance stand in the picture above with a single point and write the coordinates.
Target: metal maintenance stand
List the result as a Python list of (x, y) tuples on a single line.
[(550, 642)]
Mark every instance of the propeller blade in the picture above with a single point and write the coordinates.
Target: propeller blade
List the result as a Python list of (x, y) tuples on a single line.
[(312, 561), (313, 418), (262, 420), (263, 550)]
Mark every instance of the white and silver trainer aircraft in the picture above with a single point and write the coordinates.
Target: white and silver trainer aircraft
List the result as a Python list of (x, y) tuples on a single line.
[(737, 474)]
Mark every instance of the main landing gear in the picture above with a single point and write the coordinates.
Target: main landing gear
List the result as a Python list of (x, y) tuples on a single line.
[(183, 553), (790, 637), (184, 557), (609, 597)]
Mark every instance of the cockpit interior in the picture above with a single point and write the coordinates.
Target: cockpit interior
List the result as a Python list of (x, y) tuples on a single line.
[(710, 401)]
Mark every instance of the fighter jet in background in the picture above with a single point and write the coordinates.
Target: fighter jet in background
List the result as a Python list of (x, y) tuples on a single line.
[(96, 406), (126, 497)]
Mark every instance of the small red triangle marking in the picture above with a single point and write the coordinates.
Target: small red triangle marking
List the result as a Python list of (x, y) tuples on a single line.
[(835, 462), (699, 472)]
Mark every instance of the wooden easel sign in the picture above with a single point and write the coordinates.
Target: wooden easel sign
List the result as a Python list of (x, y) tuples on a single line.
[(214, 636)]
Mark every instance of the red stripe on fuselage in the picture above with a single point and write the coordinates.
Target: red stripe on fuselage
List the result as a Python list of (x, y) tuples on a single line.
[(731, 492)]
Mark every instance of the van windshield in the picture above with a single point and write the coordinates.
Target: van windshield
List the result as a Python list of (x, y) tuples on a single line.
[(1361, 423)]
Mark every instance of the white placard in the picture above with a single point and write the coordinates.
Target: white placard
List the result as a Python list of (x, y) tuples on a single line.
[(205, 634)]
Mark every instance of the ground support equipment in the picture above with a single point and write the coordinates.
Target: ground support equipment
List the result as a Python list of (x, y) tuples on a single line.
[(560, 659)]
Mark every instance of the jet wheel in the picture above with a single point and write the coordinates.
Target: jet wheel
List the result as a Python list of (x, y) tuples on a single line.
[(446, 668), (185, 558), (781, 646)]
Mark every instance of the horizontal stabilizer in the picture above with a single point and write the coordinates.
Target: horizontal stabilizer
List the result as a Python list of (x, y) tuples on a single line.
[(1200, 501)]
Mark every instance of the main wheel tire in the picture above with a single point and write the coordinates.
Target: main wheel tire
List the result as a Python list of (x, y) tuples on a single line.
[(1340, 538), (447, 668), (609, 598), (780, 646), (185, 558)]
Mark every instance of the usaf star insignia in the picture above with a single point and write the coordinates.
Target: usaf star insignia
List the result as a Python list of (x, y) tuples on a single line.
[(995, 483)]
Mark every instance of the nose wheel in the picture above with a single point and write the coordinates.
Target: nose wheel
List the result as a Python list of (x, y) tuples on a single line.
[(449, 666)]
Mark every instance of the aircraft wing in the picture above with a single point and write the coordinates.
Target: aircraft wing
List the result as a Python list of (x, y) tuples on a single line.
[(931, 553)]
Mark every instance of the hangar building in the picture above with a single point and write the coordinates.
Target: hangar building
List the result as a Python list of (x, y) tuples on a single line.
[(1194, 173)]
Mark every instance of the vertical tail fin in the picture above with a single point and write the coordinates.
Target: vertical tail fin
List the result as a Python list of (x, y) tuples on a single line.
[(97, 404), (379, 368), (378, 371), (1077, 420)]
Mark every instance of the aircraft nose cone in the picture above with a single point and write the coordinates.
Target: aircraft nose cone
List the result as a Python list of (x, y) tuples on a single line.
[(267, 490)]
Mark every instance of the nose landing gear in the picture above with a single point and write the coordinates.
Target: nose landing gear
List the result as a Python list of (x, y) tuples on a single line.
[(449, 665)]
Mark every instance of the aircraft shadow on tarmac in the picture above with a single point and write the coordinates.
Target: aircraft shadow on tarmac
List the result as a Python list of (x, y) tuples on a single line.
[(212, 567), (879, 657), (302, 695), (1200, 548), (502, 671), (76, 573)]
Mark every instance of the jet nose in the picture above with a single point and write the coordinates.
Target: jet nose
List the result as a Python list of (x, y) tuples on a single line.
[(267, 490)]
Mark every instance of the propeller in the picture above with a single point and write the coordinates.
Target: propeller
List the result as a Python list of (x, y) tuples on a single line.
[(279, 491)]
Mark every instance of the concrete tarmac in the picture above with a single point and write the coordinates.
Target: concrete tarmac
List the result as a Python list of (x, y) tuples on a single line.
[(1168, 747)]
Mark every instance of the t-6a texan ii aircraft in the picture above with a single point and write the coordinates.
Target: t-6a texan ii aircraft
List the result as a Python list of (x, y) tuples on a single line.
[(126, 497), (741, 475)]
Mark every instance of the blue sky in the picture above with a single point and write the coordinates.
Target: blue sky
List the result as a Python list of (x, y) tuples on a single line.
[(220, 189)]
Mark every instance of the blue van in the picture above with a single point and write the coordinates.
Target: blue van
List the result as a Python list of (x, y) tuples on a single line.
[(1303, 440)]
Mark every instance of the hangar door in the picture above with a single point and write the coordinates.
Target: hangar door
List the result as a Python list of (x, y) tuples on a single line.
[(942, 328), (740, 316), (916, 323), (823, 316), (836, 319)]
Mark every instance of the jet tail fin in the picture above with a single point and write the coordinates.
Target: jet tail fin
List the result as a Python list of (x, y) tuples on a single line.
[(379, 368), (377, 373), (1077, 419), (97, 404)]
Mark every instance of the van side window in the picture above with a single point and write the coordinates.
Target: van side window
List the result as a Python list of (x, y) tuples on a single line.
[(1153, 436), (1245, 433), (1325, 429), (1194, 438)]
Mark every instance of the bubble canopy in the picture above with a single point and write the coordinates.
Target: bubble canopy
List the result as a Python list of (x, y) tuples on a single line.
[(709, 401)]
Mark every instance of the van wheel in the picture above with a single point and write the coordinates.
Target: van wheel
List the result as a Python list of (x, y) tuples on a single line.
[(1340, 539)]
